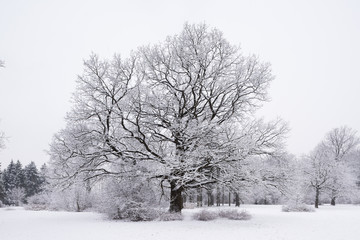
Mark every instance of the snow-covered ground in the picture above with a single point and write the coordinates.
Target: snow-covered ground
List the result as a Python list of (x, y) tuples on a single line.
[(268, 222)]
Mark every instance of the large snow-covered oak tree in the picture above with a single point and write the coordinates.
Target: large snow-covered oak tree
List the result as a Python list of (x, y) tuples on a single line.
[(180, 112)]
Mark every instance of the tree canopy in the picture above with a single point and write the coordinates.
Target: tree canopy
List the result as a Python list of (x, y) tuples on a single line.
[(181, 112)]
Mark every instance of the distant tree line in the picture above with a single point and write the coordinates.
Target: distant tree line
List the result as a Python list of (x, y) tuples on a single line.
[(18, 183)]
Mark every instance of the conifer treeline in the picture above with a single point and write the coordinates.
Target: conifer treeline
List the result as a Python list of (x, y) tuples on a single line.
[(18, 183)]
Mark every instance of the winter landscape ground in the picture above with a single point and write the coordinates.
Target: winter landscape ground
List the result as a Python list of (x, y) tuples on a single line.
[(267, 223)]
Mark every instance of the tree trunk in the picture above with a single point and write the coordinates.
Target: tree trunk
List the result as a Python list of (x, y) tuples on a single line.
[(218, 196), (199, 197), (210, 198), (333, 195), (176, 200), (229, 199), (333, 201), (223, 196), (78, 209), (237, 200), (317, 194)]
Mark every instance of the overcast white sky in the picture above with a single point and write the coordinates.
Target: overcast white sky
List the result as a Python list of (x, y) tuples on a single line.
[(313, 46)]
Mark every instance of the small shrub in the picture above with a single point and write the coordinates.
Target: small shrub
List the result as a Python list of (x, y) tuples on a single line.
[(167, 216), (136, 212), (234, 214), (38, 202), (205, 215), (297, 208), (1, 204), (141, 214)]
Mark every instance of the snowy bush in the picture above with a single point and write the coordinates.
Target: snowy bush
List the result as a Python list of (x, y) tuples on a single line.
[(136, 212), (75, 198), (234, 214), (38, 202), (167, 216), (297, 208), (123, 199), (1, 204), (205, 215), (16, 196)]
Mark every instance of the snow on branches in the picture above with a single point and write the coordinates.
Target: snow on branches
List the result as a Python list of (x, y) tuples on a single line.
[(180, 112)]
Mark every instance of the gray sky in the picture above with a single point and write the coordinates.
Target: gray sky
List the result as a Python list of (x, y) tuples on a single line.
[(313, 46)]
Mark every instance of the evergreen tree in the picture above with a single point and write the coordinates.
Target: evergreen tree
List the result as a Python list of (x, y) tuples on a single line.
[(32, 180), (2, 187), (9, 176), (18, 183), (19, 175), (14, 183), (43, 179)]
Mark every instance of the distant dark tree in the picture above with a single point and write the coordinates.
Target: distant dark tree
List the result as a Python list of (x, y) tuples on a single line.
[(2, 187), (14, 183), (9, 176), (43, 176), (33, 180), (2, 145), (19, 175), (18, 183)]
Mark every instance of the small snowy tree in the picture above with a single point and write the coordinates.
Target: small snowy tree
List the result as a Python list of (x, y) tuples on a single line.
[(268, 179), (341, 142), (354, 168), (75, 197), (118, 197), (16, 196), (298, 188), (13, 176), (298, 185), (2, 187), (319, 167)]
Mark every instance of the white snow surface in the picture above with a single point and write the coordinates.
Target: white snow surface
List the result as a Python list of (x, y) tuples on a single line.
[(267, 223)]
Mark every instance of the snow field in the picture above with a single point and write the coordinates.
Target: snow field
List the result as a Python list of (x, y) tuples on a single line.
[(267, 223)]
